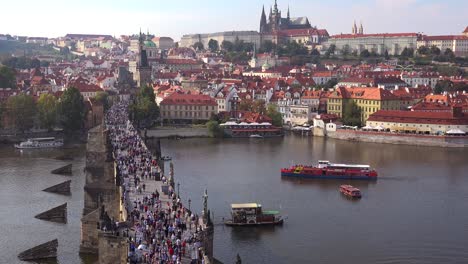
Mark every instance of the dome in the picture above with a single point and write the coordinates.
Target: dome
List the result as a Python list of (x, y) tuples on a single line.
[(149, 44)]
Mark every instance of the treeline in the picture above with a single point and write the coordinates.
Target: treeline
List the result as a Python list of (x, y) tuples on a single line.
[(48, 112), (7, 77), (24, 63)]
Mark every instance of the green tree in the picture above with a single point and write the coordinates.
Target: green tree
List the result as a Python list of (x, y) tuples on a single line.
[(144, 109), (435, 50), (258, 106), (7, 77), (315, 52), (214, 129), (277, 118), (35, 63), (268, 46), (351, 114), (365, 54), (407, 52), (22, 109), (387, 57), (423, 50), (103, 98), (345, 51), (198, 46), (213, 45), (71, 110), (227, 46), (47, 109)]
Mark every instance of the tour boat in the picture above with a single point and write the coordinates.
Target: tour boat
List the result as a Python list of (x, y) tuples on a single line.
[(327, 170), (350, 191), (35, 143), (255, 136), (251, 214)]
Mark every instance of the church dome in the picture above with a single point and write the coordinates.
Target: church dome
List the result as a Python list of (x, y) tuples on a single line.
[(149, 44)]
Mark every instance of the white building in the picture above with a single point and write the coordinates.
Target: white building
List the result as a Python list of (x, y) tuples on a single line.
[(231, 36), (458, 44)]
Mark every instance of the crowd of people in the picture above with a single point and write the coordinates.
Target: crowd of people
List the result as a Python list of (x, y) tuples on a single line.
[(161, 229)]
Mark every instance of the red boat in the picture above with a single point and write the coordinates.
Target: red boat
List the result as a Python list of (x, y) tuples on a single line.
[(350, 191), (327, 170)]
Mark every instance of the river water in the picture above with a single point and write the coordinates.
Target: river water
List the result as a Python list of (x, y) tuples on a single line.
[(415, 213), (23, 174)]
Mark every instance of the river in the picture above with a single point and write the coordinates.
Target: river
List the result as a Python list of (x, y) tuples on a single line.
[(23, 174), (415, 213)]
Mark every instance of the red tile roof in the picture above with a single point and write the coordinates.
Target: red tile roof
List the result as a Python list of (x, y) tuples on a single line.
[(448, 37), (363, 93), (384, 35), (189, 99), (418, 117)]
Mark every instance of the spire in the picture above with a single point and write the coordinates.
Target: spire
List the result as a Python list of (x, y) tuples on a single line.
[(355, 31), (275, 9), (289, 17), (361, 29), (263, 21)]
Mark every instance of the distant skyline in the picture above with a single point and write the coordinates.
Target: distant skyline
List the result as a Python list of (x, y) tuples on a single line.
[(54, 18)]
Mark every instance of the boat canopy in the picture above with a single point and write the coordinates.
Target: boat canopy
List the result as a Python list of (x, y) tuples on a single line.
[(455, 132), (246, 206), (265, 124), (271, 212)]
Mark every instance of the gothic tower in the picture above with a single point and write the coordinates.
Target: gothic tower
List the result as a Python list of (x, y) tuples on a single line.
[(143, 71), (263, 21), (361, 29)]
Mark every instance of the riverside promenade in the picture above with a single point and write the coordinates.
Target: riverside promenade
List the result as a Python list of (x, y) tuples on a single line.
[(138, 214)]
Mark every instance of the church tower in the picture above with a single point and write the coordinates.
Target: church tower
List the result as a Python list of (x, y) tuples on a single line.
[(263, 21), (361, 29), (354, 30), (143, 70)]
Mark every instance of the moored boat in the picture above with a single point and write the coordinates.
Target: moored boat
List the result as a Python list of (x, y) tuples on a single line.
[(328, 170), (35, 143), (350, 191), (255, 136), (251, 214)]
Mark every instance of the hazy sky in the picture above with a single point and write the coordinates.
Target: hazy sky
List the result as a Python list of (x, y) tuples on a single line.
[(175, 18)]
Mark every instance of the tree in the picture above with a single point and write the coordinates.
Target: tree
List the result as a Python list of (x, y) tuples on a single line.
[(423, 50), (214, 129), (227, 46), (435, 50), (103, 98), (442, 86), (238, 259), (387, 57), (35, 63), (198, 46), (331, 49), (449, 53), (47, 109), (258, 106), (7, 77), (351, 114), (71, 110), (144, 109), (245, 105), (407, 52), (345, 51), (22, 109), (365, 54), (277, 118), (268, 46), (315, 52), (213, 45)]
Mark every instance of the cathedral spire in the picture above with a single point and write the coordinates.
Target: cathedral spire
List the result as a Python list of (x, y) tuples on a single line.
[(263, 21), (275, 9), (361, 29), (289, 17)]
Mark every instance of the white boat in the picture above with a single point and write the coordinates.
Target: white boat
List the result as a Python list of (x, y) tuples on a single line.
[(35, 143), (255, 136)]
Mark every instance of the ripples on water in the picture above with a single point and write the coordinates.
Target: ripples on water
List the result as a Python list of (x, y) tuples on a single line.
[(415, 213), (23, 176)]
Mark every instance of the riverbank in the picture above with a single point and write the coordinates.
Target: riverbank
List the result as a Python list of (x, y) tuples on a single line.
[(177, 132), (401, 139)]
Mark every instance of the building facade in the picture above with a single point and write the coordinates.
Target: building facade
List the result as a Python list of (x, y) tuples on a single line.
[(187, 107), (368, 100)]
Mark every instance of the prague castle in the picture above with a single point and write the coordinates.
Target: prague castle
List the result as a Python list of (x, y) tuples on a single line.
[(275, 28)]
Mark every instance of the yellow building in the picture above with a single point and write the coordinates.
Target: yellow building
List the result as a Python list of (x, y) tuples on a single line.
[(369, 101)]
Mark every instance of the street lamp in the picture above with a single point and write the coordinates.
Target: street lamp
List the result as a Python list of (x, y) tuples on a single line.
[(189, 202)]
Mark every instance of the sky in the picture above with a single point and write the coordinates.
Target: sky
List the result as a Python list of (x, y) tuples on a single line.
[(54, 18)]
